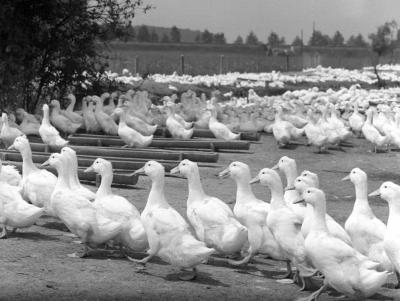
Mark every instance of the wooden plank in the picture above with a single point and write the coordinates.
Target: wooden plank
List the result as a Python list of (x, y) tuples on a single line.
[(149, 154), (121, 177), (167, 143)]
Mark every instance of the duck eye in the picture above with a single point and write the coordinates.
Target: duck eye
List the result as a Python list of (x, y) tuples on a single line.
[(385, 186)]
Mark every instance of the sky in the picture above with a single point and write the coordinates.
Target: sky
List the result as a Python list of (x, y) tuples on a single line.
[(285, 17)]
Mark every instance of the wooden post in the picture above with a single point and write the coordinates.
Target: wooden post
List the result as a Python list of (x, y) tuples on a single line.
[(182, 64), (136, 65), (221, 64), (287, 62)]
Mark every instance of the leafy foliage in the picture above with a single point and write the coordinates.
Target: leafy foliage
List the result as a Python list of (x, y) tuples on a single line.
[(319, 39), (46, 45), (251, 39)]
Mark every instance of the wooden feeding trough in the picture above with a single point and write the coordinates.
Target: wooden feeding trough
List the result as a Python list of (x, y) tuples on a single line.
[(167, 143), (203, 133), (129, 153)]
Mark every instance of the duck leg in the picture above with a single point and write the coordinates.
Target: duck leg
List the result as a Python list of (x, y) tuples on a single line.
[(306, 283), (188, 275), (85, 252), (245, 260), (314, 296), (398, 280), (289, 273), (4, 233)]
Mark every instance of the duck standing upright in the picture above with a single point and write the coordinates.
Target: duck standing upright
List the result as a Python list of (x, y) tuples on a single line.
[(119, 209), (49, 133), (7, 133), (342, 266), (252, 213), (211, 218), (168, 233)]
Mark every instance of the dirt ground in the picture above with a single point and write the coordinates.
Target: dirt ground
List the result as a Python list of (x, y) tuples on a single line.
[(35, 264)]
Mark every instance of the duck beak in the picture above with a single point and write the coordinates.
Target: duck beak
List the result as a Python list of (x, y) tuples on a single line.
[(275, 167), (139, 171), (298, 201), (255, 180), (225, 173), (11, 147), (89, 169), (174, 170), (375, 193), (45, 164), (346, 178)]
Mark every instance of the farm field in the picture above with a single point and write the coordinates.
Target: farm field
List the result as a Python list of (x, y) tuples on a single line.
[(37, 266)]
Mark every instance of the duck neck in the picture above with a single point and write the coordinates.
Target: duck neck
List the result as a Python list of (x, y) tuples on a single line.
[(99, 105), (277, 200), (27, 163), (157, 195), (46, 117), (244, 191), (361, 202), (62, 178), (196, 192), (71, 105), (319, 221), (105, 184), (122, 119), (291, 175)]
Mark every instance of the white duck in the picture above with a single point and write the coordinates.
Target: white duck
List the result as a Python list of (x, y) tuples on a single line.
[(106, 123), (211, 218), (76, 212), (61, 122), (10, 174), (29, 124), (175, 128), (168, 233), (49, 133), (14, 211), (390, 192), (356, 120), (309, 179), (72, 160), (220, 130), (7, 133), (343, 267), (130, 136), (119, 209), (285, 224), (367, 232), (283, 130), (89, 119), (69, 111), (315, 135), (37, 184), (371, 133), (288, 167), (252, 213)]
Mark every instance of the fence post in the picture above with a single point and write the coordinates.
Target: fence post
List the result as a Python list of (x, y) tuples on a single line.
[(221, 64), (136, 65), (182, 64), (287, 62)]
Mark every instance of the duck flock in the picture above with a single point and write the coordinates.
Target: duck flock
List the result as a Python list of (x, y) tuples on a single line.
[(293, 227)]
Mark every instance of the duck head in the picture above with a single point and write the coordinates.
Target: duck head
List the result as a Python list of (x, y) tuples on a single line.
[(302, 183), (266, 177), (20, 114), (284, 164), (356, 175), (69, 152), (389, 191), (99, 166), (153, 169), (55, 104), (313, 196), (19, 144), (55, 160), (237, 171), (311, 177), (185, 168)]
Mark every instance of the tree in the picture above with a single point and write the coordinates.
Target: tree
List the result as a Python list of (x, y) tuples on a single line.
[(197, 39), (238, 41), (219, 38), (43, 53), (143, 34), (383, 42), (318, 39), (356, 41), (154, 36), (165, 38), (175, 35), (207, 37), (251, 39), (297, 42), (273, 40), (337, 39)]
